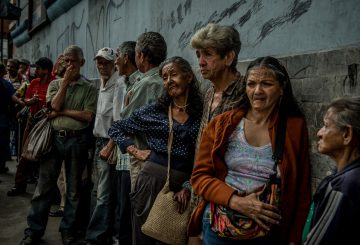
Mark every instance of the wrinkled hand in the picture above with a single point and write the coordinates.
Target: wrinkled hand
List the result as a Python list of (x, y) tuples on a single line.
[(182, 197), (52, 114), (142, 154), (105, 152), (71, 75), (262, 213)]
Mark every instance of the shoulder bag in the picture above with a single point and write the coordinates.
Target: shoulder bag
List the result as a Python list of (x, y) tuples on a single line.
[(164, 222), (39, 140)]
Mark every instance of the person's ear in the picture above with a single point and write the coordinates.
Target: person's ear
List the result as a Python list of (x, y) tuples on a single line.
[(82, 62), (125, 59), (348, 135), (229, 58)]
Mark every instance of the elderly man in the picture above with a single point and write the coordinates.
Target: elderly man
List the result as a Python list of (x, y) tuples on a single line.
[(103, 171), (126, 66), (73, 103), (150, 51)]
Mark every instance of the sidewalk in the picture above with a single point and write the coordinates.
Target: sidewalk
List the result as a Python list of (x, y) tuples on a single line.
[(13, 212)]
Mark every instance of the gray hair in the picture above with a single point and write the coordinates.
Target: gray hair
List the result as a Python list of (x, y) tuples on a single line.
[(128, 48), (347, 113), (153, 46), (222, 39), (73, 49)]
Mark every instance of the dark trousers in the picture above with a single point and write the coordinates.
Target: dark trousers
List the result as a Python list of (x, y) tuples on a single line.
[(122, 223), (24, 165), (73, 151), (4, 145)]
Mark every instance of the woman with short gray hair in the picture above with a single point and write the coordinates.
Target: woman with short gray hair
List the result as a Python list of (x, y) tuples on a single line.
[(335, 214)]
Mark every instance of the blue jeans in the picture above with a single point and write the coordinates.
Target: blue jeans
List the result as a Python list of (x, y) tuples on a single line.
[(101, 197), (211, 238), (73, 151)]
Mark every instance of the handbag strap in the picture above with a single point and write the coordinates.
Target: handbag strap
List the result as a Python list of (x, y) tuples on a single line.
[(170, 140), (280, 139)]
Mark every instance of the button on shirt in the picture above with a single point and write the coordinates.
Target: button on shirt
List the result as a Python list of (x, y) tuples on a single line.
[(105, 107), (152, 121)]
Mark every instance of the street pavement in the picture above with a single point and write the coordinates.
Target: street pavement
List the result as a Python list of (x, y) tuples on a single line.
[(13, 212)]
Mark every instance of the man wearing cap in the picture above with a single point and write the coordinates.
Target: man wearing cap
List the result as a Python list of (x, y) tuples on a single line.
[(35, 97), (73, 103), (102, 170)]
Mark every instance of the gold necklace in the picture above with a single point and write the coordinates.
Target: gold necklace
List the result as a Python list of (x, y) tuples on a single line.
[(180, 107)]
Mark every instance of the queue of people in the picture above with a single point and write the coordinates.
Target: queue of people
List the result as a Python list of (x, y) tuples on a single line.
[(224, 147)]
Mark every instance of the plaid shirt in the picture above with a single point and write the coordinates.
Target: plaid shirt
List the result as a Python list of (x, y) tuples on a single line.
[(229, 99)]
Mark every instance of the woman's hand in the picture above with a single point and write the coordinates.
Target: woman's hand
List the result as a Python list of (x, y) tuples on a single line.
[(182, 197), (141, 155), (250, 206)]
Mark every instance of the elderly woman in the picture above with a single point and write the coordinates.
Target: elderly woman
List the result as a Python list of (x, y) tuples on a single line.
[(335, 215), (183, 98), (235, 161)]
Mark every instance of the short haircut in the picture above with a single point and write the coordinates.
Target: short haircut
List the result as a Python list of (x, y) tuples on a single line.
[(73, 49), (153, 46), (128, 48), (45, 63), (346, 113), (222, 39)]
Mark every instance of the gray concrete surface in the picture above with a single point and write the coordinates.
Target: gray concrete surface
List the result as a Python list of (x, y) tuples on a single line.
[(13, 212)]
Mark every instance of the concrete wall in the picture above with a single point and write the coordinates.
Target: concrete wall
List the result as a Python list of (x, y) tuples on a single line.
[(318, 40)]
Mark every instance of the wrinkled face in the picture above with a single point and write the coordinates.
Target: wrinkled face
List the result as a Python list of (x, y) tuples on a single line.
[(105, 67), (176, 82), (331, 138), (73, 60), (211, 64), (11, 69), (263, 89)]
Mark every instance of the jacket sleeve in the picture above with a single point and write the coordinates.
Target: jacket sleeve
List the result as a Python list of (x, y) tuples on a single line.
[(303, 184), (207, 179)]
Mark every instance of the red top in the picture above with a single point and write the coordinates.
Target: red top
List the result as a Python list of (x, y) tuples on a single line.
[(36, 87)]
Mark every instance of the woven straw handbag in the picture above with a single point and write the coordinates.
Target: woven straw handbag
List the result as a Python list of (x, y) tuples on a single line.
[(164, 222)]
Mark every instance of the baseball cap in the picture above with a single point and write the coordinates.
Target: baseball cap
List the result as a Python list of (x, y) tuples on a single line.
[(106, 53)]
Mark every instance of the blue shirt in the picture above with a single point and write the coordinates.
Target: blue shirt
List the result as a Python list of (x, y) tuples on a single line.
[(152, 122)]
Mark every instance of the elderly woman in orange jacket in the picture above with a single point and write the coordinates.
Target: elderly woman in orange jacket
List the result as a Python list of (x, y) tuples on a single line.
[(235, 161)]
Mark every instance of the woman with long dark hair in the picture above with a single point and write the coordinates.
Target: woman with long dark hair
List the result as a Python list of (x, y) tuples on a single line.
[(236, 160)]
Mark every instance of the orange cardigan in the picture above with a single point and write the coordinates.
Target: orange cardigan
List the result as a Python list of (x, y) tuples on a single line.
[(210, 171)]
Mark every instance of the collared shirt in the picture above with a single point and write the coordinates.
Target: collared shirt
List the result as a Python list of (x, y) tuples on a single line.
[(124, 158), (228, 100), (105, 107), (81, 96)]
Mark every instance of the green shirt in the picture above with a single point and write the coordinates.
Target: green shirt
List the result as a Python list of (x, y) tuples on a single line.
[(80, 97), (147, 88)]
